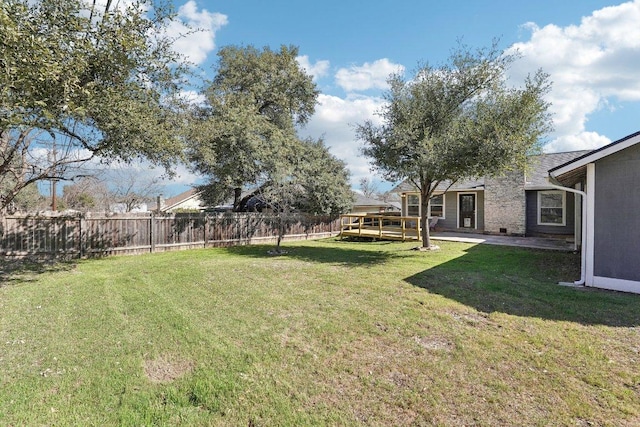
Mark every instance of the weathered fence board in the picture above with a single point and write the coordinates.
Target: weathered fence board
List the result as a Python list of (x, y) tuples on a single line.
[(80, 236)]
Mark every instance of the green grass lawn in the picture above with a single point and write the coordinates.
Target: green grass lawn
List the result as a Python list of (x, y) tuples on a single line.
[(332, 333)]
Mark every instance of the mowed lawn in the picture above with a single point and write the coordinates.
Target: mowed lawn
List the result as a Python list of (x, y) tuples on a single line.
[(332, 333)]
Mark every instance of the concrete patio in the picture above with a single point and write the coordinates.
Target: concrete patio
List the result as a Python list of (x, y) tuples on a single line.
[(526, 242)]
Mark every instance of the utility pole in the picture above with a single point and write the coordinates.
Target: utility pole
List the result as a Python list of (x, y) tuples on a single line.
[(54, 203)]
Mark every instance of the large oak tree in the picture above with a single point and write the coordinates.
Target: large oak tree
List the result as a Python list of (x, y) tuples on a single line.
[(245, 137), (459, 120), (246, 127), (80, 81)]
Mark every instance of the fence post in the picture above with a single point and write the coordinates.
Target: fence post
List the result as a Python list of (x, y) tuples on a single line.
[(238, 227), (152, 240), (206, 229), (80, 239)]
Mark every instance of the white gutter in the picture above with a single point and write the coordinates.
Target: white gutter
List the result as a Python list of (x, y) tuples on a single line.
[(583, 257)]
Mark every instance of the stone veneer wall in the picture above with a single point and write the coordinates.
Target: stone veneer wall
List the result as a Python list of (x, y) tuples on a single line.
[(505, 204)]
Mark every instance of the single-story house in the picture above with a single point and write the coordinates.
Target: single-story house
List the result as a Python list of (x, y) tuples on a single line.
[(519, 203), (589, 196), (188, 200), (610, 228)]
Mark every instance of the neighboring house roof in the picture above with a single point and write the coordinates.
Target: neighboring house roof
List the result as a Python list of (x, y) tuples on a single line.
[(536, 177), (182, 198)]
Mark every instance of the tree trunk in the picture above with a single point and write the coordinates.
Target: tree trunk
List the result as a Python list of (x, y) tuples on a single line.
[(281, 230), (425, 194), (280, 236), (237, 194)]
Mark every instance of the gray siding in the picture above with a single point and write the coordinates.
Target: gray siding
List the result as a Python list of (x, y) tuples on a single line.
[(534, 229), (480, 210), (450, 213), (450, 222), (617, 215)]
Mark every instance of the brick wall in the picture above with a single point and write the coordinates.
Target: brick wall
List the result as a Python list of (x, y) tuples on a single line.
[(505, 204)]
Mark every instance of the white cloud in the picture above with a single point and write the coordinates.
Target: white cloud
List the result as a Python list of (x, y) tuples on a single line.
[(192, 97), (195, 45), (368, 76), (571, 107), (335, 121), (578, 141), (317, 70), (194, 30), (592, 65), (184, 176)]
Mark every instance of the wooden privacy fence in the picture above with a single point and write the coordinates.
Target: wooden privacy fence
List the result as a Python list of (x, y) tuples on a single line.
[(86, 236)]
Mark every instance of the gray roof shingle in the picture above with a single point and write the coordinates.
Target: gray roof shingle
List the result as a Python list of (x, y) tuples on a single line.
[(539, 166)]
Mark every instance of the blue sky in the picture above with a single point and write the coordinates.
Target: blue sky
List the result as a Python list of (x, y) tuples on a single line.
[(590, 48)]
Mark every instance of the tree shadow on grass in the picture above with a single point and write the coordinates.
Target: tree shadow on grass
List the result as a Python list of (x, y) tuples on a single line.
[(524, 282), (13, 271), (367, 255)]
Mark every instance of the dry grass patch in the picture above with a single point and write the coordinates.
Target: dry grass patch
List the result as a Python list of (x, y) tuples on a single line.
[(167, 368)]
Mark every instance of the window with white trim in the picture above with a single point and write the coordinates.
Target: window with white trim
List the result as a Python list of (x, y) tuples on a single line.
[(413, 205), (552, 208), (436, 206)]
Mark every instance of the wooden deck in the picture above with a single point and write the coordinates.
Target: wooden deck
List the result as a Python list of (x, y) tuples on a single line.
[(382, 227)]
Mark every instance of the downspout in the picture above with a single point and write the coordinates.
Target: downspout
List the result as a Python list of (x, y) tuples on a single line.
[(583, 265)]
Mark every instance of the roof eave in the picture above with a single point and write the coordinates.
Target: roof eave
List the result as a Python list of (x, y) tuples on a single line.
[(169, 207), (595, 155)]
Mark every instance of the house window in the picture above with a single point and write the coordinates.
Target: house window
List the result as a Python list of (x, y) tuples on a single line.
[(413, 205), (551, 207), (436, 206)]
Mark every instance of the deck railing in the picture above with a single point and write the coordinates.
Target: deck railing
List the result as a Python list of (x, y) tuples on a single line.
[(383, 227)]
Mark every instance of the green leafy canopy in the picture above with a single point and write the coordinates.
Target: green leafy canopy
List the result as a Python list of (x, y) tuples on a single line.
[(459, 120), (94, 81), (245, 135)]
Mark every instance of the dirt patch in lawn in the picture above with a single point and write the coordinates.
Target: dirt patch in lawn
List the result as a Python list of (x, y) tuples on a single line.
[(167, 368)]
